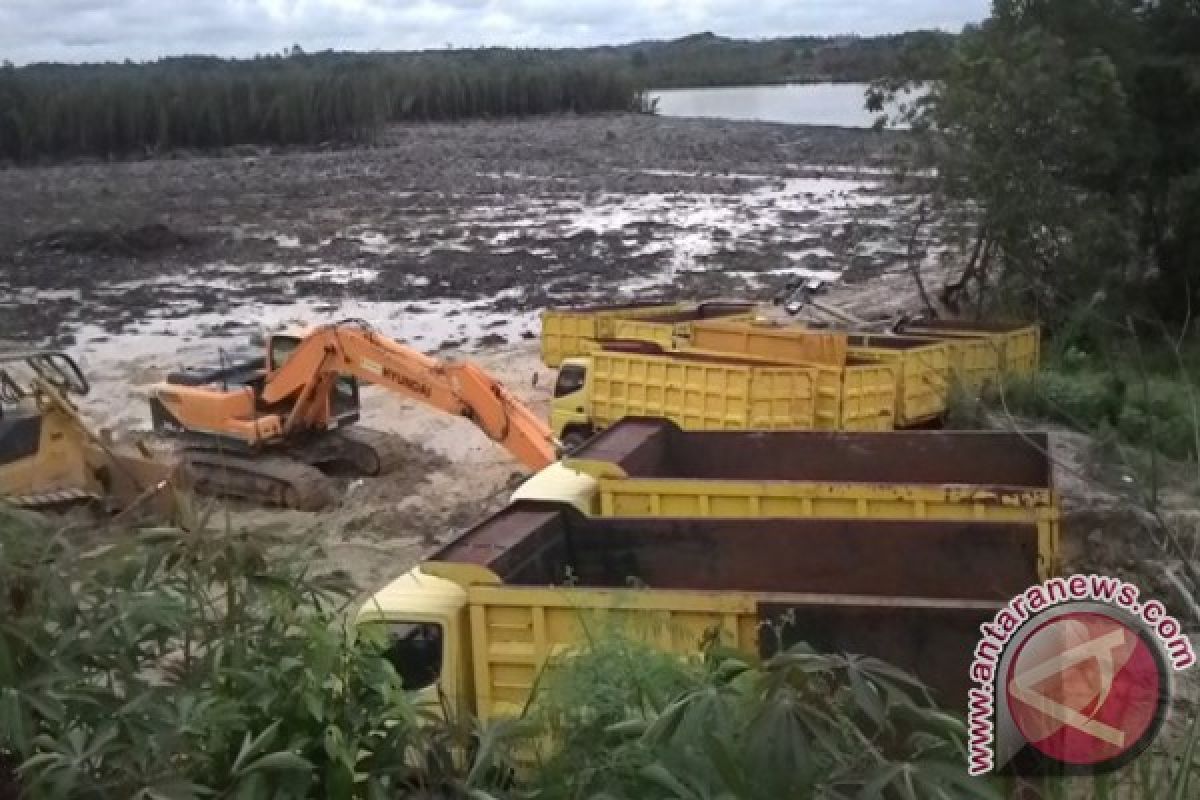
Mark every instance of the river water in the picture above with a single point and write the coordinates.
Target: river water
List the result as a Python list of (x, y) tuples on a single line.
[(840, 104)]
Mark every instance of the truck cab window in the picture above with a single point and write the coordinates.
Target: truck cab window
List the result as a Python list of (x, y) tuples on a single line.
[(570, 380), (415, 652)]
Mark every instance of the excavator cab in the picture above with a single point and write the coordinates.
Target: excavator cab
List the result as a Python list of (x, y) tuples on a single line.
[(253, 373)]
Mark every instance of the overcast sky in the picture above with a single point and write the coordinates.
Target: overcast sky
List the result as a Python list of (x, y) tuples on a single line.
[(97, 30)]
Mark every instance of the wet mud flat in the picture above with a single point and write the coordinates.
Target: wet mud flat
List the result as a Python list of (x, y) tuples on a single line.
[(442, 220)]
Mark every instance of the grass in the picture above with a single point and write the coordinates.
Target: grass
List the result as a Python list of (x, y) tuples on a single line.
[(1140, 403)]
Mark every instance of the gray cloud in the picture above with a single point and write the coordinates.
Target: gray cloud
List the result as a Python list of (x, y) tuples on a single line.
[(90, 30)]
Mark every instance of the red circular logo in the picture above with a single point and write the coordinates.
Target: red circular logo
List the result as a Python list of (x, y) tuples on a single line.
[(1085, 688)]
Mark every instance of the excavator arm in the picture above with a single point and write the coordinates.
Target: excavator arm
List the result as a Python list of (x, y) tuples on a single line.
[(462, 389)]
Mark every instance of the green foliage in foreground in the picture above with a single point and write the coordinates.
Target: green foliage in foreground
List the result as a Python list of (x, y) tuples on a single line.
[(171, 665), (633, 723), (174, 665)]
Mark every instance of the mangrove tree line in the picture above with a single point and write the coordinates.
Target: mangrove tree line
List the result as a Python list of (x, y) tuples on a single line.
[(54, 111)]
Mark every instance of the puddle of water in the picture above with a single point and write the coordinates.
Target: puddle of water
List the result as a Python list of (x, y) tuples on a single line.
[(29, 296)]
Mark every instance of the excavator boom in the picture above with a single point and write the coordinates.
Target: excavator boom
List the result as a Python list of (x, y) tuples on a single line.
[(462, 389)]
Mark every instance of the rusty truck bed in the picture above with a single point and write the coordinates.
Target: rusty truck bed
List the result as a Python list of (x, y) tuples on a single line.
[(541, 544), (650, 448)]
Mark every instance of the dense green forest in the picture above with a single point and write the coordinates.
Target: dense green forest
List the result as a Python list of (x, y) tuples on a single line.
[(54, 111), (708, 60), (57, 111)]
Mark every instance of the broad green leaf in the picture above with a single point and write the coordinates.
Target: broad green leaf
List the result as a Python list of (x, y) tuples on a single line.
[(660, 775), (14, 730), (251, 748), (282, 761)]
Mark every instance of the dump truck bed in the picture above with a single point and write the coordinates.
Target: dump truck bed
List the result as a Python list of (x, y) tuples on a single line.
[(1018, 346), (650, 468), (566, 330), (700, 392), (838, 587), (517, 631), (653, 448), (569, 332), (858, 395), (539, 544), (923, 383), (789, 344), (673, 328)]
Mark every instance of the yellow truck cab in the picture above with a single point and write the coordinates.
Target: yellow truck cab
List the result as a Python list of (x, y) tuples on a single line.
[(570, 410), (425, 619)]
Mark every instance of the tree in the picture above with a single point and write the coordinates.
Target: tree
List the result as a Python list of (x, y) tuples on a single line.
[(1066, 133)]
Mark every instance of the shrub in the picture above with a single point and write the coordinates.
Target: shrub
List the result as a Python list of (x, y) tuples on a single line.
[(639, 724), (175, 665)]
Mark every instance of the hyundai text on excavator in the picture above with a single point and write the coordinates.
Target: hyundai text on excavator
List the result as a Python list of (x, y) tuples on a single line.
[(261, 429)]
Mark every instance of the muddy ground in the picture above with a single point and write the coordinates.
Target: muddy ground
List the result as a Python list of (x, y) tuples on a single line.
[(451, 237)]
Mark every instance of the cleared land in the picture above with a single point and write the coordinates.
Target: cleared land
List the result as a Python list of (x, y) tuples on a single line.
[(451, 237)]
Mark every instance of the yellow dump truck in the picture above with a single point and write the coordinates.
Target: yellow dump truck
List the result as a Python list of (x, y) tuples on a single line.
[(923, 388), (652, 468), (568, 332), (697, 392), (920, 366), (788, 344), (480, 619), (716, 391), (1016, 347)]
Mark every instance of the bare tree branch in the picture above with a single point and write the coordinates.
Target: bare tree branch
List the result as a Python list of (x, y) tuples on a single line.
[(914, 263)]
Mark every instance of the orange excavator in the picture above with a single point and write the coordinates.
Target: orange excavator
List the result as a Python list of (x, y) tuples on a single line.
[(263, 429)]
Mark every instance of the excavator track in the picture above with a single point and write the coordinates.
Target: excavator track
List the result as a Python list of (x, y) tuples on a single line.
[(371, 452), (355, 451), (266, 480), (54, 501)]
